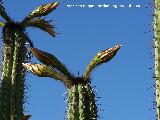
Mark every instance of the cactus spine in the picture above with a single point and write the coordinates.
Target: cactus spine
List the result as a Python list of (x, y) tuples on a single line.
[(157, 54), (81, 96), (14, 54)]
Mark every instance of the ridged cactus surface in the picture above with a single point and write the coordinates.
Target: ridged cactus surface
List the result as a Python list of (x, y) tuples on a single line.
[(157, 54), (81, 103), (12, 88)]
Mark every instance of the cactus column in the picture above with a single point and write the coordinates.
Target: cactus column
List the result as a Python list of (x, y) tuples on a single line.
[(12, 73), (14, 54), (81, 96), (157, 54), (8, 51), (81, 102)]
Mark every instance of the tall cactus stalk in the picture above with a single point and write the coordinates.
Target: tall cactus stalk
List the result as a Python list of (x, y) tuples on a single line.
[(81, 96), (81, 102), (14, 54), (13, 77), (157, 54)]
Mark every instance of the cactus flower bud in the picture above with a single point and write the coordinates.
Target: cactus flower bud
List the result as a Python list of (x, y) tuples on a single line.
[(50, 60), (101, 57), (43, 10), (44, 71)]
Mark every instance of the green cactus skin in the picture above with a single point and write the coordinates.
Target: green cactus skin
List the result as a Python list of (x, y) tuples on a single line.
[(81, 102), (12, 93), (17, 86), (157, 54), (8, 51)]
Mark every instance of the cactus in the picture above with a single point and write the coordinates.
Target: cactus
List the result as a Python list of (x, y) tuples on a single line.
[(157, 54), (81, 96), (14, 54)]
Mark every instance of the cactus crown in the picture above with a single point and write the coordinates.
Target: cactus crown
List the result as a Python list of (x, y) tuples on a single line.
[(52, 66)]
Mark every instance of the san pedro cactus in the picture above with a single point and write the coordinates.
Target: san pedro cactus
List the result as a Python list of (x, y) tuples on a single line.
[(157, 54), (81, 96), (14, 54)]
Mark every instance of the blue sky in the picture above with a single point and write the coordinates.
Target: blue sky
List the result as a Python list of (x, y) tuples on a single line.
[(123, 83)]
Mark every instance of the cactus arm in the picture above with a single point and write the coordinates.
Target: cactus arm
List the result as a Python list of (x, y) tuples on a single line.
[(157, 54)]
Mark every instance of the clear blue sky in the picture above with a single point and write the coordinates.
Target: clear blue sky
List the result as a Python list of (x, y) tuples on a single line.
[(121, 83)]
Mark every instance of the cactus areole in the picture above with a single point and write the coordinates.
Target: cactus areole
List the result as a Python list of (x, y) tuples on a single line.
[(14, 54), (81, 96)]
